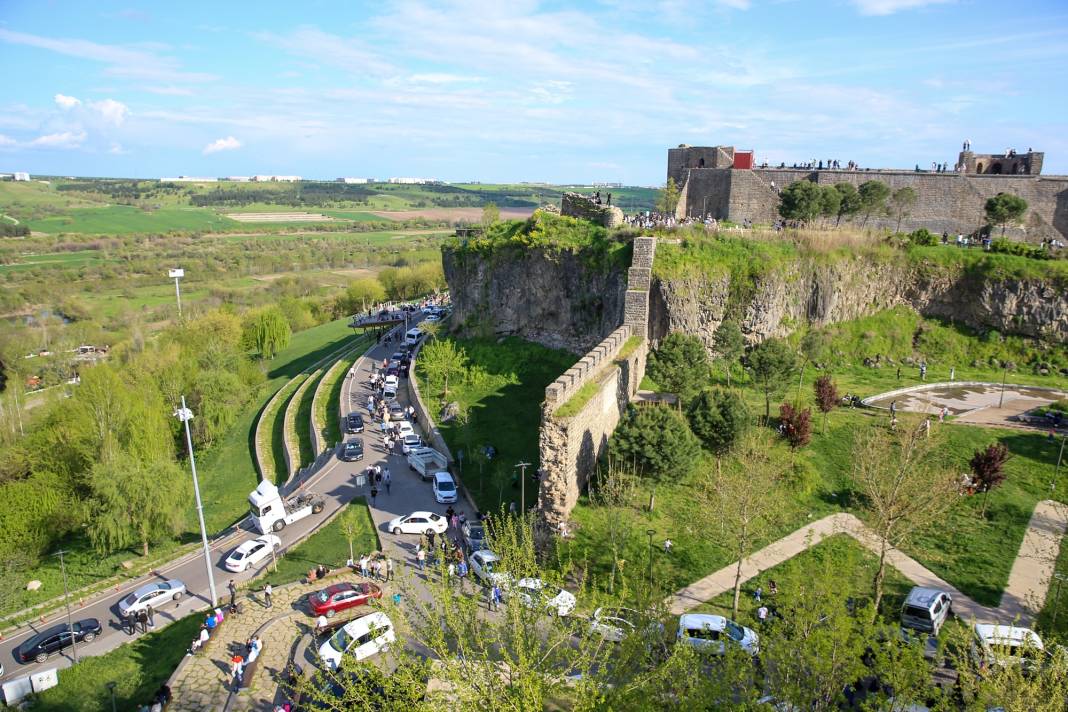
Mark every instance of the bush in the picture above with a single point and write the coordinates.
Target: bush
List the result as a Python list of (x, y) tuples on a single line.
[(795, 425), (801, 478), (680, 365), (922, 238), (718, 418), (656, 441), (1021, 249)]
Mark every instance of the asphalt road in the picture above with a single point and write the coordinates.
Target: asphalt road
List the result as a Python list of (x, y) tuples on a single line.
[(334, 482)]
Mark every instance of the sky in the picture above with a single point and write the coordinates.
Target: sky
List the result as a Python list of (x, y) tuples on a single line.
[(520, 90)]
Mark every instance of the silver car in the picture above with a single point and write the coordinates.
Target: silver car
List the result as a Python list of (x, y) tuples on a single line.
[(152, 594)]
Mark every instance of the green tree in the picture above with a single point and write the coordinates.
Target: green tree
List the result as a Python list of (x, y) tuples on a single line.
[(680, 365), (771, 361), (902, 201), (718, 418), (490, 214), (655, 441), (351, 525), (1004, 208), (135, 502), (729, 344), (830, 202), (800, 201), (872, 196), (266, 332), (442, 359), (360, 295), (668, 199), (849, 203)]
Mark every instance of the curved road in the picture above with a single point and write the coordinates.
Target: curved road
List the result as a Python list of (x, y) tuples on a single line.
[(333, 481)]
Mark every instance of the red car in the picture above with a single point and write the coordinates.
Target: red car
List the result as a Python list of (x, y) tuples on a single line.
[(341, 596)]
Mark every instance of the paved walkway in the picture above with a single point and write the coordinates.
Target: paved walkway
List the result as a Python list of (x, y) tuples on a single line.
[(1023, 597)]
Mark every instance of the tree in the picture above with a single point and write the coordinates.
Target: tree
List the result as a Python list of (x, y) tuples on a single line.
[(729, 344), (490, 214), (796, 424), (988, 469), (668, 199), (830, 202), (741, 499), (360, 295), (1004, 208), (849, 203), (442, 359), (351, 526), (135, 502), (872, 197), (901, 202), (905, 485), (266, 332), (800, 201), (771, 361), (826, 392), (718, 418), (810, 348), (656, 441), (680, 365)]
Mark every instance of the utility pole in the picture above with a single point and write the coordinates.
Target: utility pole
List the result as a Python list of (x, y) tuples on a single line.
[(66, 600), (185, 415), (176, 274), (1004, 375), (523, 486)]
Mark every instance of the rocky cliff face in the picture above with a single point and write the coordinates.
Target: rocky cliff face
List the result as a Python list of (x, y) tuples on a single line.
[(552, 298), (818, 294)]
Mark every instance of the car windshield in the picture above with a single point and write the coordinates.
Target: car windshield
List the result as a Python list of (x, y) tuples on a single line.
[(487, 566), (322, 596), (341, 641), (735, 631), (477, 532), (130, 600), (238, 554), (446, 486)]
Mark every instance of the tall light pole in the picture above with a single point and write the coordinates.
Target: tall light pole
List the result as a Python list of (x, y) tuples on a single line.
[(66, 600), (185, 415), (176, 274), (522, 486)]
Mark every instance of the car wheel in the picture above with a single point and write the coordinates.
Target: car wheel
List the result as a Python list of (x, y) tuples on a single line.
[(317, 507), (396, 530), (331, 613), (89, 637), (41, 657), (176, 596), (279, 525)]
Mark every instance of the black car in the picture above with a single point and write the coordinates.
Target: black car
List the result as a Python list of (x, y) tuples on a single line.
[(55, 639), (352, 451), (354, 423)]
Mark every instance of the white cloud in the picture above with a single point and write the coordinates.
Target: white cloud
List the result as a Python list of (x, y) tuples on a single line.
[(66, 102), (113, 112), (117, 149), (889, 7), (7, 140), (346, 52), (169, 90), (63, 139), (222, 144)]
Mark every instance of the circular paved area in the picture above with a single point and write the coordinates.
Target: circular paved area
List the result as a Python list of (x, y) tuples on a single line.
[(971, 402)]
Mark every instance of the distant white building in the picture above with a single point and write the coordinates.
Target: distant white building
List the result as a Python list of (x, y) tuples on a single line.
[(237, 179), (189, 179), (356, 180), (276, 179), (413, 181), (607, 185), (22, 176)]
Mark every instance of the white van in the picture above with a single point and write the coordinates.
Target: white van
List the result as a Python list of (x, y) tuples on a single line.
[(926, 609), (412, 337), (361, 638)]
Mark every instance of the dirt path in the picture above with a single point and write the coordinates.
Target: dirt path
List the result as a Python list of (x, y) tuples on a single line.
[(1022, 600)]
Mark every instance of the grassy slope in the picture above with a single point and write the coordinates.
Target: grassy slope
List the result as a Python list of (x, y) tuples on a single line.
[(124, 219), (302, 422)]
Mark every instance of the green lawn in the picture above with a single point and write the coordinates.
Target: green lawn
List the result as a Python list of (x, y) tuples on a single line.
[(302, 422), (125, 219), (278, 424), (329, 402), (327, 546), (138, 668), (504, 408)]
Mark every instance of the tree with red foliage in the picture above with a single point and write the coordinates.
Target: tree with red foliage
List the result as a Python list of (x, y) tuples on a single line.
[(795, 425), (988, 469), (826, 397)]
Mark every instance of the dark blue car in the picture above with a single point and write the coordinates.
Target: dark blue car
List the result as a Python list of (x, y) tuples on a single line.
[(56, 639)]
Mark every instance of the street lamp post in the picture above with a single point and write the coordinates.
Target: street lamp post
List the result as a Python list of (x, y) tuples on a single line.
[(176, 274), (523, 486), (185, 415), (66, 600)]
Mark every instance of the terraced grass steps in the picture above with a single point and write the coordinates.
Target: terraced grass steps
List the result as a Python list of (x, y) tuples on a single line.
[(269, 459)]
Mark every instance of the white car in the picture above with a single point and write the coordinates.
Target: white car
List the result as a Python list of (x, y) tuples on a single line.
[(391, 382), (405, 428), (1006, 645), (410, 442), (360, 638), (535, 593), (251, 552), (444, 488), (711, 633), (484, 567), (152, 594), (418, 523), (433, 317), (389, 393)]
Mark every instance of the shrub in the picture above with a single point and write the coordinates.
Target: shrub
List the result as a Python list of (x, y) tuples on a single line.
[(680, 365), (718, 418), (922, 238), (795, 425), (656, 441), (1020, 249), (801, 478)]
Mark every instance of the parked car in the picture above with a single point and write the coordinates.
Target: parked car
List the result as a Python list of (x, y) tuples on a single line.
[(484, 567), (1006, 645), (354, 423), (342, 596), (444, 486), (56, 639), (396, 411), (418, 523), (391, 382), (251, 552), (412, 336), (152, 594), (926, 609), (535, 593), (410, 442), (613, 624), (352, 451), (405, 428), (431, 318), (361, 638), (474, 535), (711, 633), (389, 393)]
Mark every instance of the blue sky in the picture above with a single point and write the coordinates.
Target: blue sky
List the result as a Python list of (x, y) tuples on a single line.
[(519, 90)]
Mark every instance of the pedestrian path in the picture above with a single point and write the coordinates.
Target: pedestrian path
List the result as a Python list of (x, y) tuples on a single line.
[(1023, 598)]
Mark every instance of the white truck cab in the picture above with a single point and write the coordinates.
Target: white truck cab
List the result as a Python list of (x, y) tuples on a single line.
[(271, 513)]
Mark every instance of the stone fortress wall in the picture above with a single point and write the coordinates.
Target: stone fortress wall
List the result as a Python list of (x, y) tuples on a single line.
[(945, 201), (569, 447), (576, 205)]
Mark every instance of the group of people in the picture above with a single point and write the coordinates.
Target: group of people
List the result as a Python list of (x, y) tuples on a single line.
[(211, 622), (140, 620), (377, 567), (239, 662), (763, 611), (831, 164)]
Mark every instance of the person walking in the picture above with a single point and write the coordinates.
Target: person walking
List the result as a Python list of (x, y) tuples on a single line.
[(232, 588), (387, 480), (762, 615), (374, 493), (363, 565), (495, 597), (237, 664), (267, 591), (420, 557), (389, 568)]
